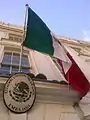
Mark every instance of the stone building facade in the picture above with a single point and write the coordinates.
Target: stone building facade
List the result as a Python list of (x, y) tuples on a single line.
[(53, 101)]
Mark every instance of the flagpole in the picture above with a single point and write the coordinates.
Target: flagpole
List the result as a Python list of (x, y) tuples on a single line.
[(21, 53)]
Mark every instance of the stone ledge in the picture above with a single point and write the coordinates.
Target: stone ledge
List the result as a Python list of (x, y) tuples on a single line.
[(49, 92)]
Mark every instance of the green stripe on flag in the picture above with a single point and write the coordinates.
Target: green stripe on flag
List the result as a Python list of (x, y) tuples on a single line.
[(38, 36)]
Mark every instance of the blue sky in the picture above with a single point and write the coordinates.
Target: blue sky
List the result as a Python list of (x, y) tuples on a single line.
[(64, 17)]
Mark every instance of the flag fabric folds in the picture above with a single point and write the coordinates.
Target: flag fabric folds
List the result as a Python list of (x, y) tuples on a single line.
[(40, 38), (76, 77), (38, 35)]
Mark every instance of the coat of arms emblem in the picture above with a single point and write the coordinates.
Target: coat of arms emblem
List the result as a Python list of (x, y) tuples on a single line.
[(19, 93)]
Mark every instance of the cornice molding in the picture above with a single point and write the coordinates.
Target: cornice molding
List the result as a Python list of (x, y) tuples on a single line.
[(63, 39), (9, 28), (49, 92), (75, 44)]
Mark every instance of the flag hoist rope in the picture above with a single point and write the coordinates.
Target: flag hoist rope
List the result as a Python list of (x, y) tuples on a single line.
[(24, 33)]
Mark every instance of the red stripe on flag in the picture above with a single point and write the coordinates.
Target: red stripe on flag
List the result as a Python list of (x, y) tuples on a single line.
[(76, 77)]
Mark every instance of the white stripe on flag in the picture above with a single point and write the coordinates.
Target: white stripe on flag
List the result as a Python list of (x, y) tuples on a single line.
[(60, 53)]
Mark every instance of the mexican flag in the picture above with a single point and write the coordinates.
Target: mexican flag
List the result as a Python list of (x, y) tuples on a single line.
[(41, 39)]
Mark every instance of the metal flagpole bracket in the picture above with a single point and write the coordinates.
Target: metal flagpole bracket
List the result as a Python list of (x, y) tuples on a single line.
[(80, 113)]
